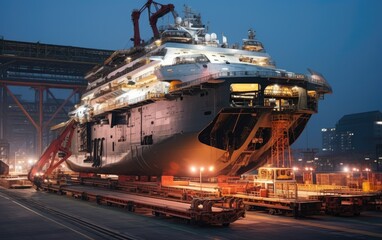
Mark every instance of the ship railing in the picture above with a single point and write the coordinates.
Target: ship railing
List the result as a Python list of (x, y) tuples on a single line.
[(117, 75), (319, 81), (258, 73), (124, 102), (147, 96)]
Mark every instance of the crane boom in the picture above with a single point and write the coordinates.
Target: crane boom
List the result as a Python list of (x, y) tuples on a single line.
[(160, 11), (56, 153)]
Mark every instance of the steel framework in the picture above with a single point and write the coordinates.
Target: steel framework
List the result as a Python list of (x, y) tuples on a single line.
[(42, 67), (280, 151)]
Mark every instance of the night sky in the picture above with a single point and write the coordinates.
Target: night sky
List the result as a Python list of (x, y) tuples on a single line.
[(342, 39)]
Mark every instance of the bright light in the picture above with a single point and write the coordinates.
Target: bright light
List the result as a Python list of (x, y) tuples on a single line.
[(378, 122), (367, 169), (346, 169), (201, 169), (157, 43), (295, 168)]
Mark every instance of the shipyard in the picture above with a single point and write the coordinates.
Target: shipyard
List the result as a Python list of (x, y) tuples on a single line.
[(185, 134)]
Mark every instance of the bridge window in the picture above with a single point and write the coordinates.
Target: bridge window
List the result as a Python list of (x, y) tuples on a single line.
[(187, 59), (244, 94)]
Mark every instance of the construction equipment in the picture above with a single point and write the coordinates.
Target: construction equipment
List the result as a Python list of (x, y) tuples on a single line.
[(56, 153), (161, 10)]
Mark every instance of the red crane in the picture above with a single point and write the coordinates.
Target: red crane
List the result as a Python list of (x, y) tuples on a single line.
[(160, 11), (57, 152)]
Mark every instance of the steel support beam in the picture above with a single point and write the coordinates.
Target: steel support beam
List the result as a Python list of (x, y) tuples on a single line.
[(42, 66), (41, 120), (3, 116), (21, 107)]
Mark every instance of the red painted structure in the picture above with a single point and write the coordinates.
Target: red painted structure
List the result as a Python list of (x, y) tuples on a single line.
[(57, 152), (161, 10)]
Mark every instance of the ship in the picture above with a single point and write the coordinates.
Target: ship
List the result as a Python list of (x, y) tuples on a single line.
[(188, 99)]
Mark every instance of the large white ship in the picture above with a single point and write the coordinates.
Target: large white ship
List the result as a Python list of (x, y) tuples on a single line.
[(189, 98)]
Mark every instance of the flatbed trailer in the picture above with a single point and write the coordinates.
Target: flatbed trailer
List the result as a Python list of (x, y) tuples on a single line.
[(338, 204), (296, 207), (185, 194), (209, 211)]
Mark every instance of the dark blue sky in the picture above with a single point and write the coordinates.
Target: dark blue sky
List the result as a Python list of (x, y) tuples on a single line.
[(342, 39)]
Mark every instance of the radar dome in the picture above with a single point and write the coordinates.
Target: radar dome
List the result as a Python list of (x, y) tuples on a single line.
[(207, 37), (178, 20), (213, 36)]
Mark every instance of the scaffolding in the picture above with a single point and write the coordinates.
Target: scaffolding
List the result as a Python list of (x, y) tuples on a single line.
[(280, 150)]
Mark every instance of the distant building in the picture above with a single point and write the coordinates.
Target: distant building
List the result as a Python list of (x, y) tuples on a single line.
[(355, 140), (328, 139), (360, 132)]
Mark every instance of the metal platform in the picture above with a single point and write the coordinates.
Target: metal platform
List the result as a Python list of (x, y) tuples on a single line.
[(38, 63), (296, 207), (219, 211)]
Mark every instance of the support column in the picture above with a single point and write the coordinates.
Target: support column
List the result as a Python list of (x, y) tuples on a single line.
[(40, 129), (3, 113), (4, 144)]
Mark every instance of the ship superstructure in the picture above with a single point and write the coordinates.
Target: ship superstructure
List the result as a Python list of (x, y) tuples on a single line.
[(187, 98)]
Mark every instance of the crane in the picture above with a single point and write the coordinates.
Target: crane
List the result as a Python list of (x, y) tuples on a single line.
[(160, 11), (56, 153)]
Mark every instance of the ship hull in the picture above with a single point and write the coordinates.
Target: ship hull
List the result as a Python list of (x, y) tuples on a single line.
[(200, 127)]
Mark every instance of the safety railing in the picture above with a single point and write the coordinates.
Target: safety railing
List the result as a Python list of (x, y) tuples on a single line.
[(258, 73)]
